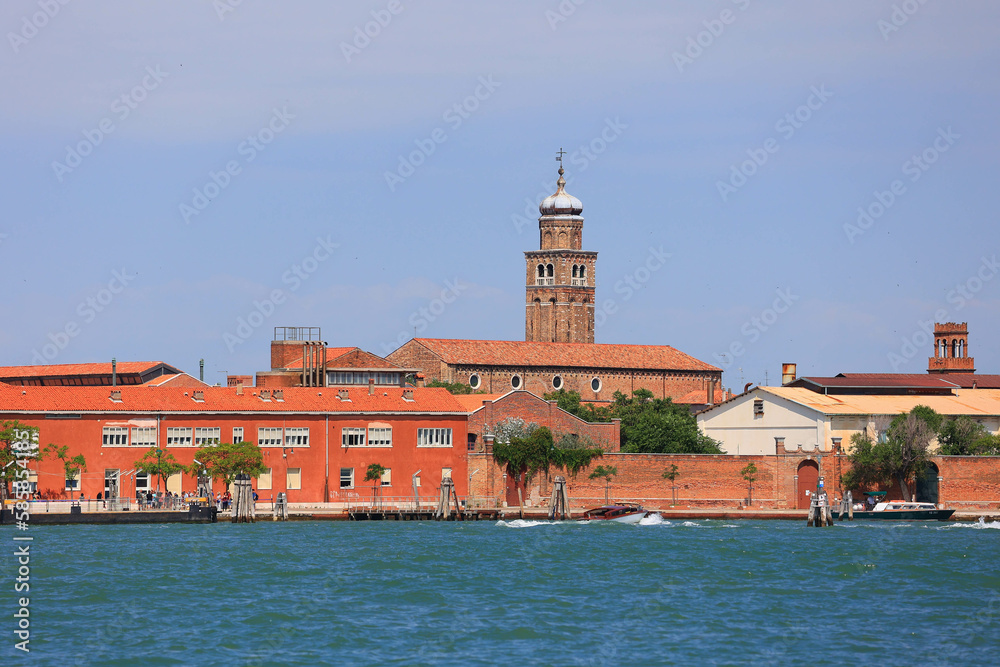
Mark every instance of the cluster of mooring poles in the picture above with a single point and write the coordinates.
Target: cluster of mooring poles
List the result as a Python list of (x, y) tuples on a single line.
[(280, 508), (559, 505), (820, 513), (243, 505), (448, 494), (847, 507)]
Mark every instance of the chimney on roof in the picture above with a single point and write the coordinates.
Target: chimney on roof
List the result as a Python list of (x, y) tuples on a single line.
[(344, 395), (711, 392), (408, 395), (371, 386), (239, 388), (114, 372), (788, 372), (199, 396), (201, 370), (116, 396)]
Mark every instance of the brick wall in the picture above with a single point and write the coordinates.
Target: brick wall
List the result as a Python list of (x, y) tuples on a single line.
[(531, 408), (706, 481)]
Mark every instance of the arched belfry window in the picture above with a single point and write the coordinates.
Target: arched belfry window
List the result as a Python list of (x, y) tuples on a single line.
[(575, 269), (541, 271), (549, 270)]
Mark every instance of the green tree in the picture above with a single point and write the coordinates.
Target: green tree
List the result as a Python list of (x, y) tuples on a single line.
[(374, 475), (160, 464), (749, 473), (605, 472), (570, 402), (72, 465), (659, 426), (986, 445), (536, 452), (226, 460), (12, 434), (896, 457), (869, 464), (454, 387), (672, 474), (958, 437)]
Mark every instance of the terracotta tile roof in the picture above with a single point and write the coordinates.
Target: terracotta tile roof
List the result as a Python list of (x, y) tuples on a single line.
[(698, 397), (99, 368), (960, 379), (358, 358), (472, 402), (297, 400), (561, 355)]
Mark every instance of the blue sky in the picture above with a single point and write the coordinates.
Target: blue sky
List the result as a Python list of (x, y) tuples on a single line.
[(172, 168)]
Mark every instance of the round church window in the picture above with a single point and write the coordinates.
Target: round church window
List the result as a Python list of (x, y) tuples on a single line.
[(475, 381), (595, 384), (515, 382), (557, 382)]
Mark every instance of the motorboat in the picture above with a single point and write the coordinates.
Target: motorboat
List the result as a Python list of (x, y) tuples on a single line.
[(902, 510), (620, 513)]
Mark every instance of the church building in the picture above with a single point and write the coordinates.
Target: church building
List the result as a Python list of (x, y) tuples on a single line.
[(558, 351)]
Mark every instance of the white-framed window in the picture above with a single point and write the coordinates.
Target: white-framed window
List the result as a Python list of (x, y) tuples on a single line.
[(141, 481), (347, 478), (179, 436), (269, 436), (758, 408), (115, 436), (293, 478), (475, 381), (207, 435), (515, 381), (352, 437), (387, 477), (296, 437), (264, 481), (595, 384), (237, 434), (380, 436), (144, 436), (73, 481), (557, 382), (433, 437)]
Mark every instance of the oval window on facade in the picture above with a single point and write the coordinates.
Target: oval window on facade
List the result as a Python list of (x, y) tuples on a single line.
[(557, 382), (475, 381), (515, 381), (595, 384)]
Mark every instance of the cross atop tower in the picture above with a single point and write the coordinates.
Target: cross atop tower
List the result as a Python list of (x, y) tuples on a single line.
[(559, 155)]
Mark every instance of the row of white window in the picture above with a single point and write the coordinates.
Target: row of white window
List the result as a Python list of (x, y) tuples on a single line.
[(267, 436), (347, 477), (293, 480)]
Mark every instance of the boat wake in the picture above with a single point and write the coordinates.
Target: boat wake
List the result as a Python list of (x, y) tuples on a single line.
[(528, 523), (978, 525), (653, 519)]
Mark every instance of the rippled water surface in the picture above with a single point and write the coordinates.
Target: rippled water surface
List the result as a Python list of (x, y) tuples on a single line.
[(482, 593)]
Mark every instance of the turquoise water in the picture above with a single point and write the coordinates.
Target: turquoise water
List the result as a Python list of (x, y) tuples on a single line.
[(482, 593)]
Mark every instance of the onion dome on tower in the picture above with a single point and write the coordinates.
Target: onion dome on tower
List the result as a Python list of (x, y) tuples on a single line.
[(561, 203)]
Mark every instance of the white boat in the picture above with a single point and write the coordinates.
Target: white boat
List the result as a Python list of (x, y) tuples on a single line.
[(621, 513)]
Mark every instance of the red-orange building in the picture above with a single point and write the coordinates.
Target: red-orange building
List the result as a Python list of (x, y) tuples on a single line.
[(317, 442)]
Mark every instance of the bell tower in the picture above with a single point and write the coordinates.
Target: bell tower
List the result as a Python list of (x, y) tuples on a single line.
[(561, 277), (951, 349)]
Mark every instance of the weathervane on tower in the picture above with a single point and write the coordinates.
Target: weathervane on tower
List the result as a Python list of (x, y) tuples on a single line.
[(559, 155)]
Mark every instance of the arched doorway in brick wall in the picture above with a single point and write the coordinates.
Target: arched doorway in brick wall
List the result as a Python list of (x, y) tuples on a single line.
[(927, 485), (808, 474)]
